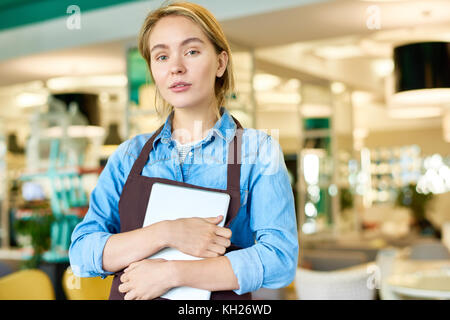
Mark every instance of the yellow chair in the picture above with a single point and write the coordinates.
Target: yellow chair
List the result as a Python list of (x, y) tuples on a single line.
[(77, 288), (30, 284)]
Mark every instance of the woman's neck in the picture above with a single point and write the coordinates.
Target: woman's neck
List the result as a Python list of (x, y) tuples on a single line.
[(190, 124)]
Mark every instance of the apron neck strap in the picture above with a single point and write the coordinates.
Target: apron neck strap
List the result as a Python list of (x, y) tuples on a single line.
[(143, 156), (234, 159)]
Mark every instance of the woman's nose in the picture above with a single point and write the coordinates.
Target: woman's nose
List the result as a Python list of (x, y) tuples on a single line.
[(177, 66)]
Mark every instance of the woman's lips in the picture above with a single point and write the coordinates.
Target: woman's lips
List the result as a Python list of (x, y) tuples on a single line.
[(181, 87)]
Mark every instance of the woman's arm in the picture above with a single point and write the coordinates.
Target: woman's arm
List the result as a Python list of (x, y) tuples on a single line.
[(194, 236), (124, 248), (97, 247), (151, 278), (213, 274)]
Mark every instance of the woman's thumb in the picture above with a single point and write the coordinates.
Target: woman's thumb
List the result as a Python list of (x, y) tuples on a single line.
[(215, 220)]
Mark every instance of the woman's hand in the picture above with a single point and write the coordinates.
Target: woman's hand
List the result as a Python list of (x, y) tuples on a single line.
[(200, 237), (147, 279)]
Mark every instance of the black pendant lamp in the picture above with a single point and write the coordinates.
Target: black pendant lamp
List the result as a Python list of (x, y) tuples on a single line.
[(422, 73), (13, 146), (113, 137)]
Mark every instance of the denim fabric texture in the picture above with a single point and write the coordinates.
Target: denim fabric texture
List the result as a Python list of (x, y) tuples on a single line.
[(265, 226)]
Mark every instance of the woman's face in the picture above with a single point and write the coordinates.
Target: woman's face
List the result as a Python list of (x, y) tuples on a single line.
[(184, 63)]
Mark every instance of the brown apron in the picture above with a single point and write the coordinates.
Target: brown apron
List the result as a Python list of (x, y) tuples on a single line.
[(136, 192)]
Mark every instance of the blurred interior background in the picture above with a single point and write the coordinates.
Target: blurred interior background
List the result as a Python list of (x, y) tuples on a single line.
[(357, 93)]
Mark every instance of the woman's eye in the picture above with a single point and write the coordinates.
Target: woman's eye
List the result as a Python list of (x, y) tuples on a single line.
[(161, 58), (192, 52)]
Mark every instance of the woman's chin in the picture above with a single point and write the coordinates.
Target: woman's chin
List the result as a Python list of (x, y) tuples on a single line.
[(183, 106), (180, 107)]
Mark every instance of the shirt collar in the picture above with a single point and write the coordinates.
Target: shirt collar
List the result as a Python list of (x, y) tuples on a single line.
[(225, 128)]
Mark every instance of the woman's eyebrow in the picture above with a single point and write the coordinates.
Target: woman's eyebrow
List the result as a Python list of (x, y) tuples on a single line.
[(193, 39), (183, 43)]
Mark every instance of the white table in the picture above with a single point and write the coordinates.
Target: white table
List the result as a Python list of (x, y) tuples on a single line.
[(419, 279)]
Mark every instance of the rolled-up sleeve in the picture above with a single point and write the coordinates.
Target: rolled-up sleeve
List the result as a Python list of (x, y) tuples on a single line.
[(272, 261), (101, 221)]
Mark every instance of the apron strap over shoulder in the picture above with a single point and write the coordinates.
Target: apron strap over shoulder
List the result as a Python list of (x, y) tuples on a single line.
[(234, 159), (143, 156)]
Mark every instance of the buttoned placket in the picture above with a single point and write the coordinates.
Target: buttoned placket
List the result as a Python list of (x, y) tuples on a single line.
[(182, 169), (195, 154), (175, 160)]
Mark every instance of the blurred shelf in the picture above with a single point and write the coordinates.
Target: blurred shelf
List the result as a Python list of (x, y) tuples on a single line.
[(63, 171), (317, 133), (14, 254), (137, 112)]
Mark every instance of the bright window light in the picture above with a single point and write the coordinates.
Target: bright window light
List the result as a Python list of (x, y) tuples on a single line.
[(310, 210), (311, 168), (309, 227)]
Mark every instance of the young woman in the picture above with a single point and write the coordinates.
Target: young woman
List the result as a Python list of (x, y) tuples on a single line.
[(200, 146)]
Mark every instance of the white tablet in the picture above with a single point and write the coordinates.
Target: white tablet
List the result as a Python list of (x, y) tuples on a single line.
[(170, 202)]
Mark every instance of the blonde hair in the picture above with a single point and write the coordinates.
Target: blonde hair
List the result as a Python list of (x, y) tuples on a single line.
[(209, 25)]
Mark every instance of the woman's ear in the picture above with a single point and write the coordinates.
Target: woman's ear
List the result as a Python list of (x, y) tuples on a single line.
[(222, 63)]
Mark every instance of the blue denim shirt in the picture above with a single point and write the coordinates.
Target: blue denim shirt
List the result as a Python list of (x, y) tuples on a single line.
[(265, 225)]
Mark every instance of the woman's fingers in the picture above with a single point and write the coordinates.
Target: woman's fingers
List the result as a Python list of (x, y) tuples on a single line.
[(124, 287), (216, 248), (221, 241), (130, 295), (210, 254), (223, 232), (131, 267), (124, 278), (200, 237), (214, 220)]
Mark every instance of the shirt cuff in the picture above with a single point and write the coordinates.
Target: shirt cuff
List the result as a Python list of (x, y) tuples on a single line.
[(93, 261), (99, 245), (247, 268)]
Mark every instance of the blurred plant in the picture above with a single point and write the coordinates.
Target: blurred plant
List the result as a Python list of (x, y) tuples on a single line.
[(37, 226), (346, 199), (418, 203)]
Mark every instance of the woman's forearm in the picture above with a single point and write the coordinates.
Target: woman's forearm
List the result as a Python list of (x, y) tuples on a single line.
[(124, 248), (212, 274)]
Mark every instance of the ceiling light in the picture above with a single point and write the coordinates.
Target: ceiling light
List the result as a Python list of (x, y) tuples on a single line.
[(264, 81), (338, 52), (414, 112), (422, 96), (71, 83), (310, 110), (383, 67), (422, 73), (29, 99), (376, 49), (270, 97), (361, 97), (360, 133), (337, 87), (292, 84)]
